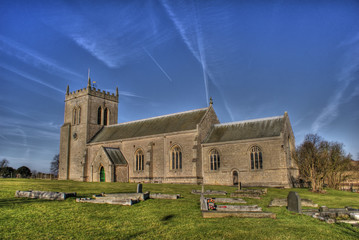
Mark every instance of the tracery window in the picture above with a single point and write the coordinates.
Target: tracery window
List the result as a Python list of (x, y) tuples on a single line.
[(256, 158), (99, 115), (214, 160), (176, 158), (139, 160)]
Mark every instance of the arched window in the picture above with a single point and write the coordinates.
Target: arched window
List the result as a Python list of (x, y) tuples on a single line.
[(99, 115), (105, 117), (79, 117), (214, 160), (139, 160), (256, 158), (176, 158), (74, 113)]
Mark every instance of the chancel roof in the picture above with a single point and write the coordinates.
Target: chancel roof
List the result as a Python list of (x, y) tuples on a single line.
[(251, 129), (151, 126), (115, 155)]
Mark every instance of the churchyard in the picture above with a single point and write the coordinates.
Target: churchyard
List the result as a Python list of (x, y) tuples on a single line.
[(26, 218)]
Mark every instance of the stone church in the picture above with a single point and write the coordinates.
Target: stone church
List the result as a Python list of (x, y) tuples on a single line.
[(186, 147)]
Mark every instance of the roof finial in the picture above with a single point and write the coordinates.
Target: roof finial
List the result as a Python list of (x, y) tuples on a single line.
[(116, 91), (89, 79), (210, 101), (67, 90)]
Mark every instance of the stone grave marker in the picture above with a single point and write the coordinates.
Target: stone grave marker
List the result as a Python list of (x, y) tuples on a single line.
[(294, 202), (139, 188)]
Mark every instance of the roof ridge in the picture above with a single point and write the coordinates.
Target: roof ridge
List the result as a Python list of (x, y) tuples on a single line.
[(247, 121), (157, 117)]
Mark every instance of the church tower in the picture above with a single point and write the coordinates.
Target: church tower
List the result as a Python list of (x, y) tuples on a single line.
[(86, 111)]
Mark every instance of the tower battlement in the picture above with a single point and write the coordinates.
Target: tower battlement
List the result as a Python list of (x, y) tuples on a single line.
[(91, 91)]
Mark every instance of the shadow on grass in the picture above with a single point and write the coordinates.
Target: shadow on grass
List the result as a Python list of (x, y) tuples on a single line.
[(349, 230), (12, 201), (167, 218)]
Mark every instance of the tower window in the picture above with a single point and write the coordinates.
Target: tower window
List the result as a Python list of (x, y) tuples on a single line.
[(74, 113), (99, 115), (105, 117), (79, 117), (256, 158)]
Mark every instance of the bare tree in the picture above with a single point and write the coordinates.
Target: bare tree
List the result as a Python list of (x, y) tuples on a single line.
[(338, 164), (320, 160), (4, 163), (55, 165)]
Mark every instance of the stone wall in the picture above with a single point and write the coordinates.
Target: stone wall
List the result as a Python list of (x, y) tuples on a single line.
[(79, 128), (156, 151), (235, 156)]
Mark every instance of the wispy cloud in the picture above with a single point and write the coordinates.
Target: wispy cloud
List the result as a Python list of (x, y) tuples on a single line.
[(158, 65), (189, 27), (27, 76), (346, 91), (119, 37), (28, 56), (129, 94)]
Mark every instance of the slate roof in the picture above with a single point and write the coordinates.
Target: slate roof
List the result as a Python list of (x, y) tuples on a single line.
[(115, 155), (251, 129), (151, 126)]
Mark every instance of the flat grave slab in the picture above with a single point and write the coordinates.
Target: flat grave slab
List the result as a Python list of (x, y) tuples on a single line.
[(44, 195)]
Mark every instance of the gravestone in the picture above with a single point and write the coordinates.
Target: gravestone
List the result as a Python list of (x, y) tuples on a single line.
[(294, 202), (139, 188)]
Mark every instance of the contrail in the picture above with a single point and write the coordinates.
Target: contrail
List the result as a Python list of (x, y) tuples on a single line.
[(11, 69), (14, 49), (196, 47), (348, 75), (197, 54), (158, 65)]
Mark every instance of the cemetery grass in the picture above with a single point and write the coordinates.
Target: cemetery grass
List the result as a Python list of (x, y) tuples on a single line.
[(22, 218)]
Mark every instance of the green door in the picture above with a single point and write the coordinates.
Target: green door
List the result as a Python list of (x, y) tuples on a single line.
[(102, 175)]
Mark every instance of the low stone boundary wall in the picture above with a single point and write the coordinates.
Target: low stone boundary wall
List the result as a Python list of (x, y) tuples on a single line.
[(44, 195)]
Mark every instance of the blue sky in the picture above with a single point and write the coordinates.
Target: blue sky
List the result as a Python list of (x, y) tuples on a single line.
[(254, 58)]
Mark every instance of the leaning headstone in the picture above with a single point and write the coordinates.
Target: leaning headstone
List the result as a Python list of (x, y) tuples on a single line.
[(294, 202), (139, 188)]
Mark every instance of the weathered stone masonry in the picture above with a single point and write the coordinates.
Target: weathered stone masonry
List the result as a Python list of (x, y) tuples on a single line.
[(186, 147)]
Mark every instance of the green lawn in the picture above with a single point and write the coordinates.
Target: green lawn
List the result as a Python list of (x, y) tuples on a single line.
[(22, 218)]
